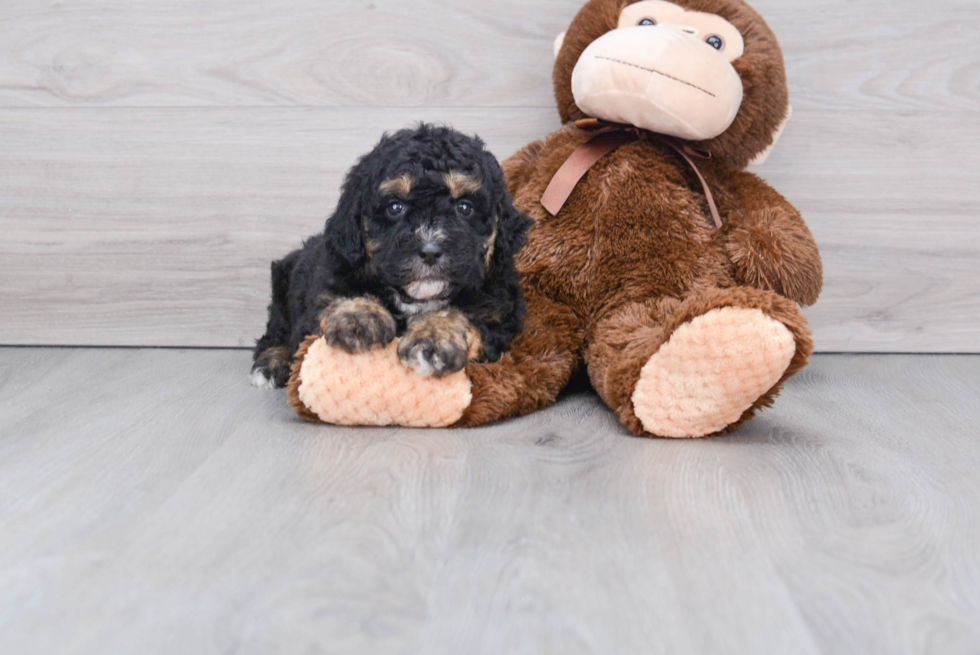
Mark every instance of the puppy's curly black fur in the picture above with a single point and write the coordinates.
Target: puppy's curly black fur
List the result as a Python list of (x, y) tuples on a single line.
[(421, 245)]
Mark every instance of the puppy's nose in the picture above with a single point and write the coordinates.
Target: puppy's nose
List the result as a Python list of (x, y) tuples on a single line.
[(430, 253)]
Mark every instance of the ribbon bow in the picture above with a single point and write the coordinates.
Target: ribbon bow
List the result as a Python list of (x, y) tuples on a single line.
[(608, 137)]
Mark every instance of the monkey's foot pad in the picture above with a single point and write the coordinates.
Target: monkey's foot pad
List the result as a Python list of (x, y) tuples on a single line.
[(710, 371), (373, 388)]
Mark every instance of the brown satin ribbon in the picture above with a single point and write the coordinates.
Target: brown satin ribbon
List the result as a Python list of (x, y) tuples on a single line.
[(609, 137)]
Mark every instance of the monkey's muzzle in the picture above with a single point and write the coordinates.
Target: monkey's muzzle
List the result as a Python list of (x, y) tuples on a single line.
[(658, 79)]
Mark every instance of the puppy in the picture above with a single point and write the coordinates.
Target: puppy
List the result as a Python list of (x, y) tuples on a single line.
[(421, 246)]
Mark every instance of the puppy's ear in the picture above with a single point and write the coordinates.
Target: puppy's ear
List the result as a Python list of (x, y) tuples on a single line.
[(513, 225), (344, 233)]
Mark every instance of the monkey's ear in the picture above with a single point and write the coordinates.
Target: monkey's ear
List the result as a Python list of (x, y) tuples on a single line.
[(343, 233), (761, 158), (559, 40)]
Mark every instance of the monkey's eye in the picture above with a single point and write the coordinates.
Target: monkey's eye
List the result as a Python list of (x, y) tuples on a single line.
[(465, 208), (647, 21), (715, 42), (395, 209)]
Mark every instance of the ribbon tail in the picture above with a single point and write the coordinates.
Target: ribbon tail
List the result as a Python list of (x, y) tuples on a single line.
[(715, 214), (577, 165)]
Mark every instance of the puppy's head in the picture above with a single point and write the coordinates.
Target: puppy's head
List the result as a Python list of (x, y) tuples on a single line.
[(427, 213)]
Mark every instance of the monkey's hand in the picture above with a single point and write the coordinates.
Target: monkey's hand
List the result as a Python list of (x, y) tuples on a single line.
[(439, 343), (769, 245), (357, 324), (773, 249)]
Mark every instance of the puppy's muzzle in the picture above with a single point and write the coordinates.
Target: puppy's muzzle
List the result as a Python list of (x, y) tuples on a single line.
[(429, 270)]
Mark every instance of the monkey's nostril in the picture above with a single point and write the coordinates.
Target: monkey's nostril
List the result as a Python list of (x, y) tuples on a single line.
[(430, 253)]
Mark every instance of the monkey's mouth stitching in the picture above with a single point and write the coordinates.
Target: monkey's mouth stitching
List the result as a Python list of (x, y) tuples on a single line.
[(651, 70)]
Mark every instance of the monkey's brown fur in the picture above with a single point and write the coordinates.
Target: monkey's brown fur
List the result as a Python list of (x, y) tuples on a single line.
[(633, 254), (292, 387)]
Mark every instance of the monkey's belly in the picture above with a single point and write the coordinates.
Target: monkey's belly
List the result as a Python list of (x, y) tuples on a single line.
[(656, 254), (626, 255)]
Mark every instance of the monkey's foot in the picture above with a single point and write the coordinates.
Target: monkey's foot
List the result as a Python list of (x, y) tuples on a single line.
[(711, 370), (372, 388)]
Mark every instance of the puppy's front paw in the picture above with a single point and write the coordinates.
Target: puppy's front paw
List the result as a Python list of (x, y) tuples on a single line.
[(357, 324), (439, 343)]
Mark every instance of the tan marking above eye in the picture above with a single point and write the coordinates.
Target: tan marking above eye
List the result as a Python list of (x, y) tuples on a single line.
[(400, 186), (459, 184), (701, 25)]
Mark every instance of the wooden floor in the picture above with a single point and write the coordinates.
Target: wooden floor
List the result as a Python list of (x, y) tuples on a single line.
[(152, 502)]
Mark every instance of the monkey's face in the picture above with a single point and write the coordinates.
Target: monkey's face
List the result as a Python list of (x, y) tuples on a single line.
[(664, 69)]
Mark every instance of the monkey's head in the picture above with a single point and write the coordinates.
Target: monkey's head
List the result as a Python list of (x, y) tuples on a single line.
[(707, 71)]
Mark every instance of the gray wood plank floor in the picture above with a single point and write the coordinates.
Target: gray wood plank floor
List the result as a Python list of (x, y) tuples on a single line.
[(152, 502)]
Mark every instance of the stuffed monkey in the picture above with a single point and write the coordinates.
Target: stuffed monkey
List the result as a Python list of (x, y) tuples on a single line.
[(655, 260)]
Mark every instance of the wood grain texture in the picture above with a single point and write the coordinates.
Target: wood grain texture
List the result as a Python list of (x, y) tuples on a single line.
[(156, 227), (885, 55), (151, 501), (248, 53), (154, 157)]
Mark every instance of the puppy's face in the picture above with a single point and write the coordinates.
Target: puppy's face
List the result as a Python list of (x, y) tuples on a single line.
[(432, 232), (427, 214)]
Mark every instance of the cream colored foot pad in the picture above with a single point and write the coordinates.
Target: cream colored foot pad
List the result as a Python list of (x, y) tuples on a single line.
[(375, 388), (710, 371)]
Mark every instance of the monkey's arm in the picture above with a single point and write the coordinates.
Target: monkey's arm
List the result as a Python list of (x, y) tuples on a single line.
[(536, 366), (769, 244)]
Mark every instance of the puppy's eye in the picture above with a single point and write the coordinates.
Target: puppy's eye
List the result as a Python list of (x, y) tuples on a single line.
[(715, 42), (465, 208), (647, 21), (395, 209)]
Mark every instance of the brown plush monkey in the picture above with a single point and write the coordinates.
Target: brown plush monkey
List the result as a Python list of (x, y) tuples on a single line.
[(685, 328)]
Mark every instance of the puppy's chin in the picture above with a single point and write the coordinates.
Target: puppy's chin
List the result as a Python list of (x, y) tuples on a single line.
[(427, 289)]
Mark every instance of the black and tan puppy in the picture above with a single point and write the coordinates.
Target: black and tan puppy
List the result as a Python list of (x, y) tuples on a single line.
[(421, 246)]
